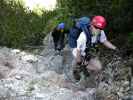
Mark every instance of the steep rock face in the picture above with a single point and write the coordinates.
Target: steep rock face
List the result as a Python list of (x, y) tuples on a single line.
[(114, 79), (31, 77), (48, 76)]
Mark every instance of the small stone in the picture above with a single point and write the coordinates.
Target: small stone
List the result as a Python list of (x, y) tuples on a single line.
[(18, 77)]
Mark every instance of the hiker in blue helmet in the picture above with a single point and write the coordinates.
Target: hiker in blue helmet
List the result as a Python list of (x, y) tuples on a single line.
[(58, 35), (61, 26)]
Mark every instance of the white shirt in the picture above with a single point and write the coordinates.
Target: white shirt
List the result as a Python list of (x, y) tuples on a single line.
[(82, 39)]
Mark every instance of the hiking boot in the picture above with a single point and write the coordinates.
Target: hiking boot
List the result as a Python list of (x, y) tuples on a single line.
[(57, 52), (76, 75)]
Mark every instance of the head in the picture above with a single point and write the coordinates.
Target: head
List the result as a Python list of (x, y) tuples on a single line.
[(98, 23), (61, 27)]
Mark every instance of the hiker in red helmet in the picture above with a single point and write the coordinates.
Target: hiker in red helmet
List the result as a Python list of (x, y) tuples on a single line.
[(99, 22), (85, 43)]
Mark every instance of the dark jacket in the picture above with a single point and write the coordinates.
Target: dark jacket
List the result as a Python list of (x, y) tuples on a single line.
[(58, 38)]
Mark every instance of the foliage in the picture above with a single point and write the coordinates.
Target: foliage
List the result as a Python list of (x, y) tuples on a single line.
[(118, 13), (130, 36), (59, 17), (19, 26)]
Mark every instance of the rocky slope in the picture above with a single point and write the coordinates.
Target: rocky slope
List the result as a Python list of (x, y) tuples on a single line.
[(44, 76)]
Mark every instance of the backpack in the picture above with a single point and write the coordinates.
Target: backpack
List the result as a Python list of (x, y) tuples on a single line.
[(82, 24)]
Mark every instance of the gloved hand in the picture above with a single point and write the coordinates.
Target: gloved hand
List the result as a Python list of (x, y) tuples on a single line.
[(117, 51), (79, 61)]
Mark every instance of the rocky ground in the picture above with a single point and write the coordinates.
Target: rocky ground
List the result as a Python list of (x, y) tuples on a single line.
[(25, 76), (43, 76)]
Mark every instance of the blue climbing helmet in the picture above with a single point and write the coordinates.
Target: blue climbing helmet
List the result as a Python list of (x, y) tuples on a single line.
[(61, 26), (83, 22)]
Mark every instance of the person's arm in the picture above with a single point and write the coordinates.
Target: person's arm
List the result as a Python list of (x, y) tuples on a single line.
[(105, 42), (109, 45), (54, 31), (78, 57), (81, 45)]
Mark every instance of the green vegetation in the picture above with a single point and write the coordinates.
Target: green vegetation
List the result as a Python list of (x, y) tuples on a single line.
[(130, 38), (118, 13), (20, 27)]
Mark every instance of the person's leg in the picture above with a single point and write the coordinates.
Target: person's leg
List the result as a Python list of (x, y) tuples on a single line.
[(55, 45), (94, 65), (60, 44), (59, 48), (55, 40), (76, 70), (75, 66)]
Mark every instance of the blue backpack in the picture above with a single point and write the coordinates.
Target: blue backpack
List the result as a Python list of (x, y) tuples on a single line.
[(82, 24)]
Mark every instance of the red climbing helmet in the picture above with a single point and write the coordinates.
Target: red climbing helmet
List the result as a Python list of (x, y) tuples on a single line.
[(99, 22)]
